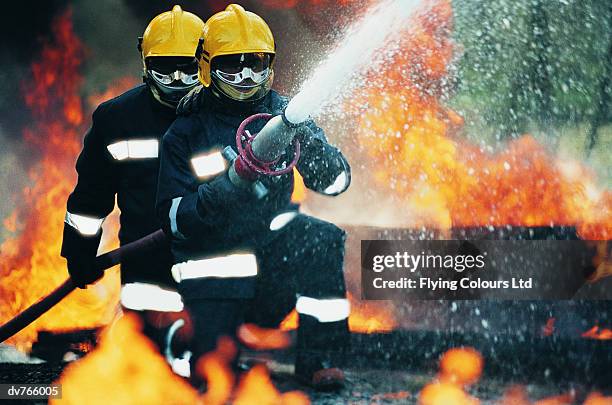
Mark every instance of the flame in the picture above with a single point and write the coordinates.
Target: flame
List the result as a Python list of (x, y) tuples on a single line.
[(596, 333), (129, 363), (215, 369), (256, 387), (259, 338), (299, 189), (442, 393), (461, 366), (30, 264), (596, 398), (364, 318), (549, 328), (445, 181)]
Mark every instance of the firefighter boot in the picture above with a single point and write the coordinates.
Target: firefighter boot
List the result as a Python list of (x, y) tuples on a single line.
[(320, 344)]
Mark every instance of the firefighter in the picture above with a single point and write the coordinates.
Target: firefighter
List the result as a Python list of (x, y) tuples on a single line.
[(239, 257), (119, 160)]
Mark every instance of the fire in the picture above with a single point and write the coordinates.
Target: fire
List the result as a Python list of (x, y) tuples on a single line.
[(461, 366), (441, 393), (30, 264), (368, 318), (364, 318), (445, 181), (259, 338), (129, 363), (549, 328), (299, 189), (214, 367), (598, 333), (256, 387), (596, 398)]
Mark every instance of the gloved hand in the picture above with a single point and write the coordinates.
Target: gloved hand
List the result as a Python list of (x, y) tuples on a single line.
[(191, 102), (305, 135), (221, 195), (82, 270)]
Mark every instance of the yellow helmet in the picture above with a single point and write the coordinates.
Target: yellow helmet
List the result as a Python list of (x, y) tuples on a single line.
[(168, 47), (234, 31), (172, 33)]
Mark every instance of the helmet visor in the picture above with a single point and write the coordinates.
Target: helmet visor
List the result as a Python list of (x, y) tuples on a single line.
[(174, 72), (171, 77), (246, 73), (233, 64), (179, 78)]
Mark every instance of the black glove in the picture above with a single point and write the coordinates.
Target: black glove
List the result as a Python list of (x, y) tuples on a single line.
[(191, 102), (80, 251), (221, 195), (83, 271), (305, 135), (320, 163)]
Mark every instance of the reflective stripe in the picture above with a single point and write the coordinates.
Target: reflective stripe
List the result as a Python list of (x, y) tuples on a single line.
[(325, 310), (173, 210), (340, 184), (85, 225), (134, 149), (180, 365), (150, 297), (237, 265), (279, 221), (209, 165)]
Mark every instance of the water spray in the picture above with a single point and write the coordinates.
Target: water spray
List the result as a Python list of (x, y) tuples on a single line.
[(361, 49)]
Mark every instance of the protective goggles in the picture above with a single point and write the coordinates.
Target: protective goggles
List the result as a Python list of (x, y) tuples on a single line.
[(246, 73), (188, 79)]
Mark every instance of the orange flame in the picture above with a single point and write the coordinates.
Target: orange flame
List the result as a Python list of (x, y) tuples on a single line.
[(596, 333), (129, 363), (444, 181), (30, 264), (596, 398), (256, 387), (125, 368), (442, 393), (364, 318), (214, 367), (461, 366), (259, 338), (299, 189)]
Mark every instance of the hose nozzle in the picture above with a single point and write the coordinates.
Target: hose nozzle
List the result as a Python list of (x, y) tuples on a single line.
[(257, 154)]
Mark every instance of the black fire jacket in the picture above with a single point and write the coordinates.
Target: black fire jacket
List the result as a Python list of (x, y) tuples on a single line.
[(120, 159), (196, 138)]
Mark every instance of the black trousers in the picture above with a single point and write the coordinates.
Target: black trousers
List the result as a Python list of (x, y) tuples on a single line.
[(305, 258)]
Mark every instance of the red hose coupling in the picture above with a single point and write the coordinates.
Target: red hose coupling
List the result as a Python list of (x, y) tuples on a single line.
[(243, 170)]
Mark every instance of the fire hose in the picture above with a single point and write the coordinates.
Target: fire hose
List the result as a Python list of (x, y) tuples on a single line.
[(105, 261), (257, 154)]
